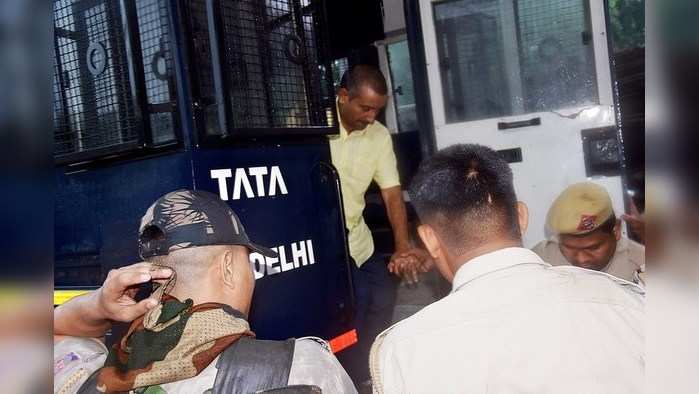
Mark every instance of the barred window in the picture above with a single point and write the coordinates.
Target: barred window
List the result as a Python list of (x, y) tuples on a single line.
[(262, 66), (510, 57), (113, 86)]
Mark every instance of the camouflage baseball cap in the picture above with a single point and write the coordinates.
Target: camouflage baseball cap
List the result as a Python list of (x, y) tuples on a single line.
[(188, 218), (580, 209)]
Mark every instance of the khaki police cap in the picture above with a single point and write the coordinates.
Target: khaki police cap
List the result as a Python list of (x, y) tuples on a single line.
[(579, 209)]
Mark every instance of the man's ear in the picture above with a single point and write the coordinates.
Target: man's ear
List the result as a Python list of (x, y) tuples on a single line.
[(343, 95), (227, 268), (522, 217), (429, 238), (617, 230), (434, 247)]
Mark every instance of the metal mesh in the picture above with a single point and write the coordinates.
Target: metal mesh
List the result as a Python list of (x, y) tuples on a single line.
[(92, 102), (509, 57), (552, 32), (97, 87), (272, 64), (153, 24)]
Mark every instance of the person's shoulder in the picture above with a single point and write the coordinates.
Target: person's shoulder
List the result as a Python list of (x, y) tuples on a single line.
[(74, 361), (312, 345), (543, 246), (637, 253), (600, 286), (378, 131), (425, 321), (390, 347), (315, 364), (550, 252)]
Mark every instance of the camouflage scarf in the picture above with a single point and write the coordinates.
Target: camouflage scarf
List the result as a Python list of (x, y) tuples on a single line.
[(177, 342)]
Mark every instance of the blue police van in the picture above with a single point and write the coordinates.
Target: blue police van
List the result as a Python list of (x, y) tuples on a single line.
[(232, 97)]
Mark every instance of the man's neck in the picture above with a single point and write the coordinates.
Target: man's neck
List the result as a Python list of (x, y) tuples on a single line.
[(490, 247), (234, 301), (344, 125)]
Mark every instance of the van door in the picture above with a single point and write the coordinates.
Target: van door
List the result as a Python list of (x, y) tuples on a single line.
[(531, 78)]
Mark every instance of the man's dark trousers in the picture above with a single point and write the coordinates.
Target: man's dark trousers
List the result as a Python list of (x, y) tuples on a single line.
[(375, 297)]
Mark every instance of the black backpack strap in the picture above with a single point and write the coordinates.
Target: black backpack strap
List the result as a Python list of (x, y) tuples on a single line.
[(250, 365)]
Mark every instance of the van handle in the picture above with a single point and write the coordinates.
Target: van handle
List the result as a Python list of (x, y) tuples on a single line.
[(520, 123)]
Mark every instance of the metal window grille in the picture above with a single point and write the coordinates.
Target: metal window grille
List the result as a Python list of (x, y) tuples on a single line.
[(509, 57), (159, 75), (262, 64), (561, 29), (112, 84)]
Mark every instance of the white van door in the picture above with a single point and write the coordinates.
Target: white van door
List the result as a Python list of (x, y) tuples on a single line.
[(532, 77)]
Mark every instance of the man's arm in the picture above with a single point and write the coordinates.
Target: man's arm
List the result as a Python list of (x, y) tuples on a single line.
[(407, 260), (91, 314), (395, 209)]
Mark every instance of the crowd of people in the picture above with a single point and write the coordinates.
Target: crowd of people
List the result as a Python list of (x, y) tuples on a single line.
[(565, 316)]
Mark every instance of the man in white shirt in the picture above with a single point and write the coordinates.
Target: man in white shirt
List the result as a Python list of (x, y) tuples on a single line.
[(512, 323)]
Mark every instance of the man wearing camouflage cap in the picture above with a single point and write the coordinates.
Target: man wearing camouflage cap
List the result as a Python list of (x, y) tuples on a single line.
[(587, 234), (191, 335)]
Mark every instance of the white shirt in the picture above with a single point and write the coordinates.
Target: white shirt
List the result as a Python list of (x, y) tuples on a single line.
[(515, 324)]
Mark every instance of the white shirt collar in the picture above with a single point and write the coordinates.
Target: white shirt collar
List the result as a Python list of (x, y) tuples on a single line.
[(493, 261)]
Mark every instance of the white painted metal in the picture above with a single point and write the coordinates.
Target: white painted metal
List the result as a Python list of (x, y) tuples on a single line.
[(394, 16), (385, 67), (552, 152), (390, 109)]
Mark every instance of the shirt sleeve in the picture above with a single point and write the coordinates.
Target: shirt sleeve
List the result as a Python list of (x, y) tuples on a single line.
[(389, 379), (313, 364), (387, 168)]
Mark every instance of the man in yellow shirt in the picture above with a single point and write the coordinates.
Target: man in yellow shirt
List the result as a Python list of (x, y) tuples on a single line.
[(362, 153)]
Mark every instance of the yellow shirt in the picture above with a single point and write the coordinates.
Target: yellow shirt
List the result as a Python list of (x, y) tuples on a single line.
[(360, 157)]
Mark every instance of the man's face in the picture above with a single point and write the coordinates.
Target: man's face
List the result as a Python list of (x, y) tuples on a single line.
[(360, 109), (592, 251)]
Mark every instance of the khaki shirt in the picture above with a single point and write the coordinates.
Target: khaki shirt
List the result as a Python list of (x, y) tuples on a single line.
[(628, 261), (515, 324), (360, 157)]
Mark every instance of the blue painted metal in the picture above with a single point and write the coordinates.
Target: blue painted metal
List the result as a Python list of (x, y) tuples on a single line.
[(98, 207), (98, 211)]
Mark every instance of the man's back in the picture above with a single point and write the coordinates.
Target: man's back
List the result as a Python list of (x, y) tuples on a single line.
[(277, 364), (515, 324)]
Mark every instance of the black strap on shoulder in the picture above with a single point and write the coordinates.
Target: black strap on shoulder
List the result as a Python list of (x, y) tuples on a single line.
[(250, 366), (90, 385), (295, 389)]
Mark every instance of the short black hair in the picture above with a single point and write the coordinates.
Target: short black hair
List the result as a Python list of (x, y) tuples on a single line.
[(364, 75), (466, 193)]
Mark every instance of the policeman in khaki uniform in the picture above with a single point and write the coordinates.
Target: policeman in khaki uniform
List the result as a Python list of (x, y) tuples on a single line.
[(587, 234)]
